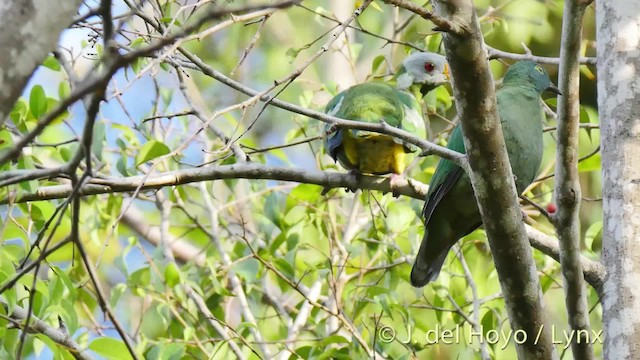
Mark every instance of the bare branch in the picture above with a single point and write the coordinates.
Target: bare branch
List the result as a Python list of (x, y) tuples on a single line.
[(35, 26), (499, 54), (442, 24), (58, 335), (181, 250), (567, 185), (328, 180), (493, 183), (593, 271), (202, 306), (236, 284)]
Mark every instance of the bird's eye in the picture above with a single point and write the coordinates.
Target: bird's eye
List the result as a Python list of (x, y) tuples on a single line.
[(429, 67), (539, 69)]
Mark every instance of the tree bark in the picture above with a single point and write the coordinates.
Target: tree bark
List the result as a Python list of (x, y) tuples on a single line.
[(32, 28), (618, 37), (567, 184), (492, 180)]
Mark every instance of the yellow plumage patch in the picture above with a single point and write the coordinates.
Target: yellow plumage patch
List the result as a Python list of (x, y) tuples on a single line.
[(374, 153)]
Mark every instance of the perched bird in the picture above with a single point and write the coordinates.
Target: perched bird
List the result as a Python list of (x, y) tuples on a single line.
[(450, 211), (373, 153)]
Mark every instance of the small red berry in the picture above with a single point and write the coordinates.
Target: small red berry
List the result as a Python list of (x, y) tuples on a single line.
[(551, 208)]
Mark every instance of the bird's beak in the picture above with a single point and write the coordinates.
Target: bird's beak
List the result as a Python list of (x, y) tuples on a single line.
[(554, 89), (445, 72)]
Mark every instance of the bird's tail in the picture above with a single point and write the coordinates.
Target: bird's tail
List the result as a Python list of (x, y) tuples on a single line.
[(428, 263)]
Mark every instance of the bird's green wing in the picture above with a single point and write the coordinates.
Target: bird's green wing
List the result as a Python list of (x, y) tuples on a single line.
[(446, 175), (370, 102), (375, 102), (412, 120), (521, 114)]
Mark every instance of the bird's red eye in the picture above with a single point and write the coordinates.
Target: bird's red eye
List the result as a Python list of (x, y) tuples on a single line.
[(429, 67)]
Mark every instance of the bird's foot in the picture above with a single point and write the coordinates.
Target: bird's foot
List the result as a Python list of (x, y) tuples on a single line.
[(356, 174), (395, 182)]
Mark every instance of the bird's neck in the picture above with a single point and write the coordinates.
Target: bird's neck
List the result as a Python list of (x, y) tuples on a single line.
[(522, 84)]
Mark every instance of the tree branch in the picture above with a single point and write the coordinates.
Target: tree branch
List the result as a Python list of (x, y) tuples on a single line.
[(618, 103), (593, 271), (442, 24), (493, 183), (35, 26), (183, 251), (567, 183), (496, 54), (58, 335), (328, 180), (383, 128)]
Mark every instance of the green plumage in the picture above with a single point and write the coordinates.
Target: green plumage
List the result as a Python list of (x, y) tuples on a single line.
[(376, 101), (450, 211), (396, 105), (373, 102)]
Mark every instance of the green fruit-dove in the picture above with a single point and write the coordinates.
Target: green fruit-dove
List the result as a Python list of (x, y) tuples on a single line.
[(451, 211), (373, 153)]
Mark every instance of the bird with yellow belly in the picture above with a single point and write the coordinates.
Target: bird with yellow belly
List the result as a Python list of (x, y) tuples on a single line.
[(368, 152)]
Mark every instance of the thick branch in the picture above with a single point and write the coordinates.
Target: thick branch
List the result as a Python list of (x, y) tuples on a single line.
[(34, 29), (567, 184), (593, 271), (182, 251), (58, 335), (493, 183), (442, 24), (618, 103), (328, 180), (499, 54)]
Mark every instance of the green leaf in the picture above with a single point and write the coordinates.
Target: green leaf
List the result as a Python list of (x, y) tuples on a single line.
[(139, 280), (170, 20), (98, 139), (52, 63), (37, 101), (151, 150), (277, 242), (166, 351), (399, 216), (295, 215), (273, 209), (19, 113), (591, 164), (292, 54), (244, 325), (545, 282), (552, 101), (116, 294), (110, 348), (285, 267), (137, 43), (247, 269), (334, 339), (172, 274), (489, 322), (121, 165), (375, 290), (593, 237), (377, 61), (304, 192)]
